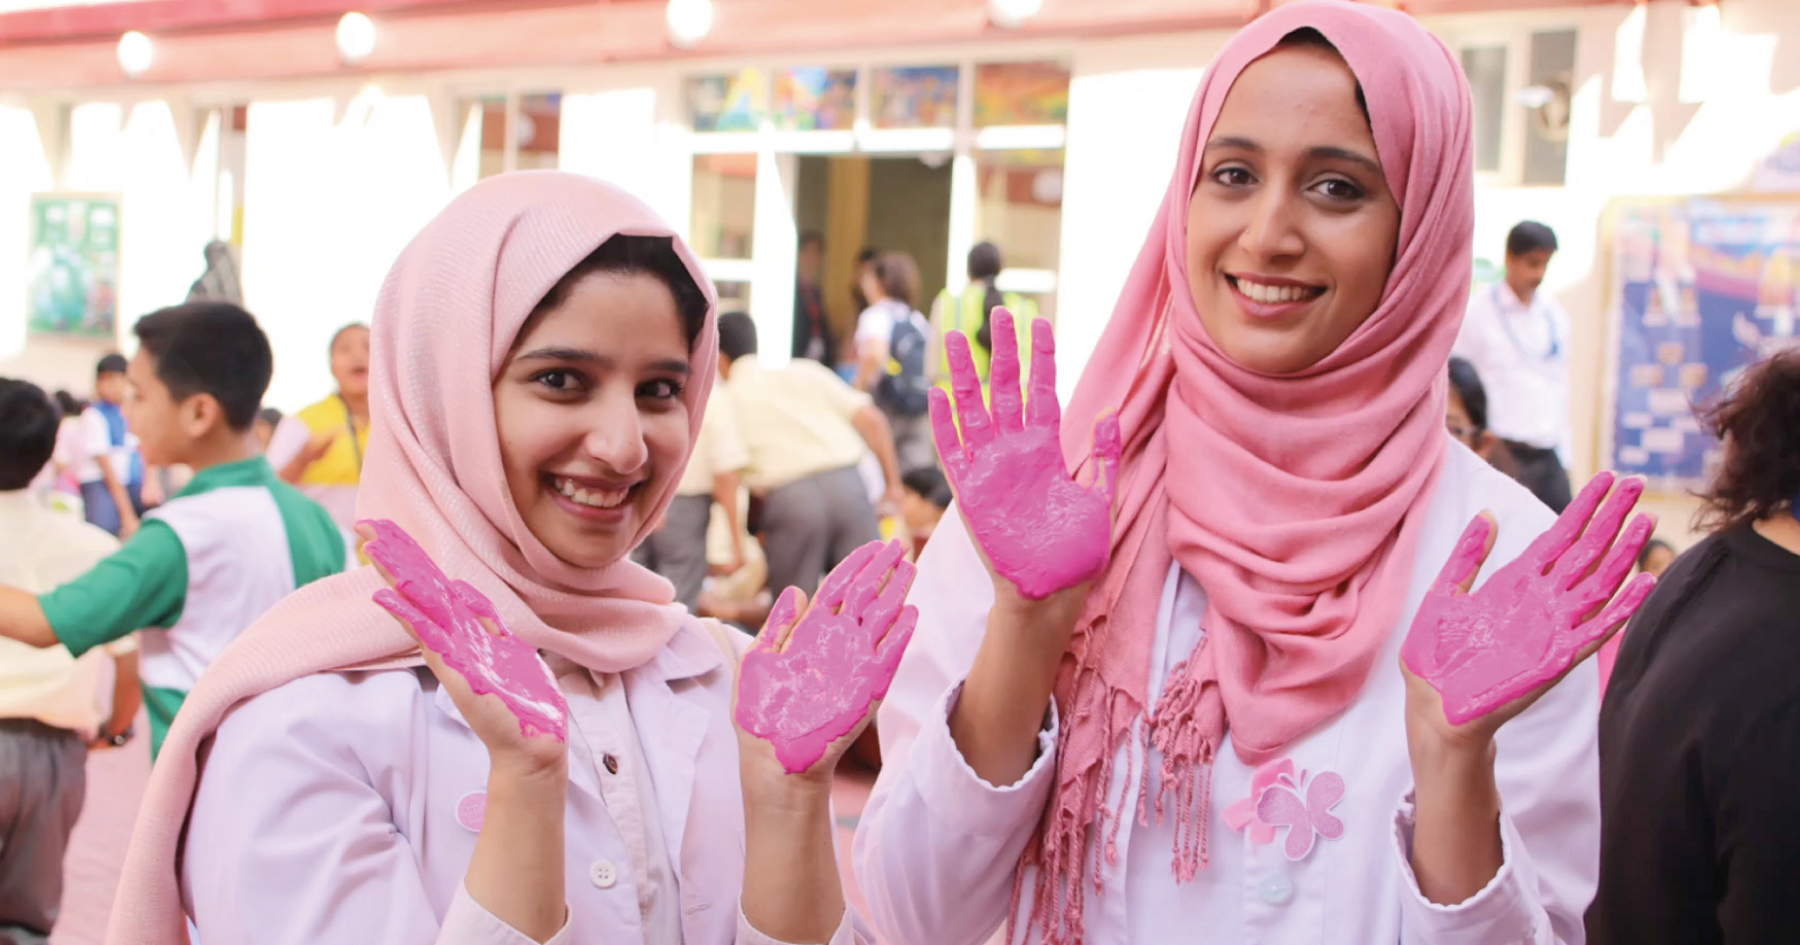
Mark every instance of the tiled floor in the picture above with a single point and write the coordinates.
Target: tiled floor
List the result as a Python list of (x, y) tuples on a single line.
[(116, 784)]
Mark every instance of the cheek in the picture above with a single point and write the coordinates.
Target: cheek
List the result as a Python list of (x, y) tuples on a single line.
[(666, 439)]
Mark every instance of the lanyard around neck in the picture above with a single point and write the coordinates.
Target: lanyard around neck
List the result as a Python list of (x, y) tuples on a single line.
[(1506, 323)]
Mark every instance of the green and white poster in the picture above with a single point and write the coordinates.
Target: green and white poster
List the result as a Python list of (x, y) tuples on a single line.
[(73, 271)]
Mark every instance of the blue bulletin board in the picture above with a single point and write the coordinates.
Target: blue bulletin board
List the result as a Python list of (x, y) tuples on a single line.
[(1702, 288)]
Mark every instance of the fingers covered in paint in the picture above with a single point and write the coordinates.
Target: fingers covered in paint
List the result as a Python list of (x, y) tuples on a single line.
[(944, 432), (965, 385), (1041, 406), (1600, 533), (869, 578), (1466, 558), (1549, 547), (781, 620)]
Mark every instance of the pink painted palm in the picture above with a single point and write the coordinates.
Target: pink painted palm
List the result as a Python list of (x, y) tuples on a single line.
[(810, 679), (1537, 616), (1038, 528)]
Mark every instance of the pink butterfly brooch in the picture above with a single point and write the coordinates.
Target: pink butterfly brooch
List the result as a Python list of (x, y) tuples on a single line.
[(1276, 800)]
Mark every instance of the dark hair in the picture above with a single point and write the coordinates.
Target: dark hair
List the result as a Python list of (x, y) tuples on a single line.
[(270, 416), (866, 255), (111, 364), (929, 483), (340, 333), (69, 404), (28, 425), (899, 276), (1466, 381), (737, 335), (1530, 236), (1308, 36), (1651, 546), (1758, 420), (212, 348), (984, 267), (812, 238), (634, 255)]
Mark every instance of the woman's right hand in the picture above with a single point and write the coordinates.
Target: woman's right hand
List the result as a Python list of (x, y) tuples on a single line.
[(1043, 536), (499, 683)]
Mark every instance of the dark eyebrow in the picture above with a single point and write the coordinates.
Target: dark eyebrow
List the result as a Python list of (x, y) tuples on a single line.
[(583, 356), (1326, 152)]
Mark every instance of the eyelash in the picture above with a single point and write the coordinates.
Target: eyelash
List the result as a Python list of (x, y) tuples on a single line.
[(663, 389), (1220, 177)]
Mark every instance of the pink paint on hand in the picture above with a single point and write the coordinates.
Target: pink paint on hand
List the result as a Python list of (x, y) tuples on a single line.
[(1039, 529), (447, 616), (1531, 620), (838, 661)]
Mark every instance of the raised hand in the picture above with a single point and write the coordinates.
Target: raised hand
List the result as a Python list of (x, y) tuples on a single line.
[(1039, 530), (473, 655), (808, 683), (1505, 644)]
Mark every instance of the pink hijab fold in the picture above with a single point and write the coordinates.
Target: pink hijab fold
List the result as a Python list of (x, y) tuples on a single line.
[(1295, 501), (444, 324)]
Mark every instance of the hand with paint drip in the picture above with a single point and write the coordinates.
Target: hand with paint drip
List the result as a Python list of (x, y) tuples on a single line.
[(1040, 532), (810, 682), (1475, 660), (499, 683)]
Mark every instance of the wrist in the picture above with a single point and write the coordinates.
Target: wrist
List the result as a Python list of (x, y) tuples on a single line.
[(785, 796), (529, 778)]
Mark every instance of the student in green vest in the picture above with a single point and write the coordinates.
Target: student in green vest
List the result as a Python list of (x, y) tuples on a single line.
[(207, 563), (971, 311)]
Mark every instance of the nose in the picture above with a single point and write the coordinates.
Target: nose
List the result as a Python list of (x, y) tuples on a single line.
[(1271, 232), (616, 434)]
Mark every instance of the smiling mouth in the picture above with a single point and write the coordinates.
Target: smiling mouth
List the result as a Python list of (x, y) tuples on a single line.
[(1269, 294), (592, 497)]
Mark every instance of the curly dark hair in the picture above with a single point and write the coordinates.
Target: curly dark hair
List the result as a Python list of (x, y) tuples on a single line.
[(1758, 420)]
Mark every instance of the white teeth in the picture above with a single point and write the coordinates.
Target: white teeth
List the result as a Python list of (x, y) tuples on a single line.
[(599, 499), (1271, 294)]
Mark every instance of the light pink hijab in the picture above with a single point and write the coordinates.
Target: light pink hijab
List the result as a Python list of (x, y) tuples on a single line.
[(1296, 501), (444, 324)]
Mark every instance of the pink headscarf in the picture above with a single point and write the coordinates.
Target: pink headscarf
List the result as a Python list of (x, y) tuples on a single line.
[(1296, 501), (445, 321)]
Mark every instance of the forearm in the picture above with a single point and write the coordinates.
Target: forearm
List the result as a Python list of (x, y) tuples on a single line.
[(22, 618), (874, 429), (1456, 841), (127, 696), (791, 888), (996, 721), (114, 487), (516, 872), (725, 493)]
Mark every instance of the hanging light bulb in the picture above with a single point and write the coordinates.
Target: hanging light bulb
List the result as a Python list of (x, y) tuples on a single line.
[(355, 38), (135, 53), (689, 21), (1012, 14)]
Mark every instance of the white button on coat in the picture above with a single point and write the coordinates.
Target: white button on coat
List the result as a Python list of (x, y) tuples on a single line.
[(604, 874), (1276, 889)]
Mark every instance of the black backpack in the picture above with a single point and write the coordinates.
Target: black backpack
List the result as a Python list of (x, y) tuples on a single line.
[(904, 394)]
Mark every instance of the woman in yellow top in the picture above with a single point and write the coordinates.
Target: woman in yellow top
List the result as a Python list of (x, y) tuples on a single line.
[(330, 466)]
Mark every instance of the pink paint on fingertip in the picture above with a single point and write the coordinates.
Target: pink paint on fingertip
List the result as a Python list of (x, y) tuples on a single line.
[(471, 811), (447, 617), (819, 687)]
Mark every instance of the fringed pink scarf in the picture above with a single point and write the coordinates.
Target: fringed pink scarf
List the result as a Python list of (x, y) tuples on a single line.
[(1295, 501)]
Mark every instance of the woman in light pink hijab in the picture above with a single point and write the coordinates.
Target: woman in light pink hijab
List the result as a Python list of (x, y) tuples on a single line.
[(542, 352), (1214, 741)]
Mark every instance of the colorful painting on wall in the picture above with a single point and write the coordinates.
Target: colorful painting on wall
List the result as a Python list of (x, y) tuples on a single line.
[(813, 98), (735, 102), (1021, 93), (72, 280), (915, 96)]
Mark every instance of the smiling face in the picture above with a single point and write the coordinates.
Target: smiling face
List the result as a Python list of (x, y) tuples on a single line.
[(591, 421), (1291, 228)]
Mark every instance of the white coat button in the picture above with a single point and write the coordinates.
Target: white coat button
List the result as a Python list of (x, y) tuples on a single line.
[(604, 874), (1276, 889)]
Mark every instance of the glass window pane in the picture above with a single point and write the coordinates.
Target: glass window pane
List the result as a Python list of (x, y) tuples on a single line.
[(539, 134), (1486, 68), (815, 99), (736, 102), (1021, 93), (1547, 137), (724, 219), (914, 96)]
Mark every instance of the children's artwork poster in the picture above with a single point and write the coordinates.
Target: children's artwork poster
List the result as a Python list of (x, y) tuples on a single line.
[(1780, 171), (72, 271), (915, 96), (1021, 93), (812, 98), (1705, 288), (738, 101)]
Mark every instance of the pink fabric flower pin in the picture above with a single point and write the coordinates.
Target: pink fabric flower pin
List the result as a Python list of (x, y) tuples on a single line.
[(1278, 798)]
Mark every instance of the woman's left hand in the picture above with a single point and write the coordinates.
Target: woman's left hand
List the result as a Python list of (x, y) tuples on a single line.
[(811, 682), (1473, 661)]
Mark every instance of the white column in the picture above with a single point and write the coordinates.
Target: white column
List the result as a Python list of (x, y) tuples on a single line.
[(772, 285)]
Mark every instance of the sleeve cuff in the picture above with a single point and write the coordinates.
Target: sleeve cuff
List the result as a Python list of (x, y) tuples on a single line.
[(467, 923), (960, 797), (846, 933), (1502, 911)]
